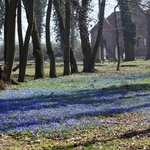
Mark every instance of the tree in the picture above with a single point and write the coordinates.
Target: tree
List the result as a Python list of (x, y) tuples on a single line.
[(84, 34), (39, 10), (89, 54), (148, 37), (99, 35), (67, 38), (22, 67), (2, 13), (129, 30), (60, 35), (50, 51), (9, 37), (37, 52), (64, 27), (117, 38)]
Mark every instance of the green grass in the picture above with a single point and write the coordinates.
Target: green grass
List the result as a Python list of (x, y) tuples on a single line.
[(123, 135)]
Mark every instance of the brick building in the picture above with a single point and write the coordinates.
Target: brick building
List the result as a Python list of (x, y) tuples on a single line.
[(109, 33)]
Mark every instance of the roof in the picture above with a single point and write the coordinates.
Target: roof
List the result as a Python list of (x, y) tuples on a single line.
[(106, 24)]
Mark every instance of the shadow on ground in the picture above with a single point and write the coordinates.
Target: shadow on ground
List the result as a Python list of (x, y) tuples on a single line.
[(55, 108)]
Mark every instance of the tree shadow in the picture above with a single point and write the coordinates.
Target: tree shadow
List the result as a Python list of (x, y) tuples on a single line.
[(93, 141), (75, 105)]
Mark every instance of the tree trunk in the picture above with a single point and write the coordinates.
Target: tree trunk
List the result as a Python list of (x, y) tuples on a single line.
[(117, 38), (129, 50), (39, 11), (6, 28), (20, 36), (37, 52), (65, 32), (99, 35), (129, 30), (67, 39), (22, 67), (74, 68), (50, 51), (85, 44), (148, 37), (10, 23)]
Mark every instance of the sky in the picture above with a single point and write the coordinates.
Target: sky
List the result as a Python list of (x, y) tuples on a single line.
[(109, 8), (110, 4)]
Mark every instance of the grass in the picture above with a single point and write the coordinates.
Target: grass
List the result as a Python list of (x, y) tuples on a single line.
[(107, 91)]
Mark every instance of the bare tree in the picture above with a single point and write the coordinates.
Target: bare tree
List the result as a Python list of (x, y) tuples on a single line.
[(50, 51)]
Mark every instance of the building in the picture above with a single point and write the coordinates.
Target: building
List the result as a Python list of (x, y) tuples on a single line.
[(109, 33)]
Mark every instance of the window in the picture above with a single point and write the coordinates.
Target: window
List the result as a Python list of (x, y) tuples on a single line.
[(138, 42), (145, 42)]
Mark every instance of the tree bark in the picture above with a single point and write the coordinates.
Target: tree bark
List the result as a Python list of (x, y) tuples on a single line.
[(129, 30), (37, 52), (85, 42), (65, 32), (99, 35), (10, 25), (148, 37), (74, 68), (117, 38), (50, 51), (22, 67), (20, 36), (67, 39)]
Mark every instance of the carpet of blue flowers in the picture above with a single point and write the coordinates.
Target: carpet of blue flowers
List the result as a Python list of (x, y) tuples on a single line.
[(50, 109)]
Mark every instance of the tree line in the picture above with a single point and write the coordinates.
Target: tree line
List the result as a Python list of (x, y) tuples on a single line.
[(67, 14)]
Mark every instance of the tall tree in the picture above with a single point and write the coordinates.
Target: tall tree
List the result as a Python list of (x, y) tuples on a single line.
[(50, 51), (60, 36), (73, 22), (29, 11), (117, 38), (148, 37), (20, 33), (84, 34), (37, 52), (39, 10), (89, 54), (64, 27), (2, 13), (9, 37), (99, 35), (67, 38), (129, 30)]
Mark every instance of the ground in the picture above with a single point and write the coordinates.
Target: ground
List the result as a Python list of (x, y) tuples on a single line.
[(108, 109)]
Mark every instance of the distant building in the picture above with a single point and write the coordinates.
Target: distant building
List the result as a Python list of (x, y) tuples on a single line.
[(109, 33)]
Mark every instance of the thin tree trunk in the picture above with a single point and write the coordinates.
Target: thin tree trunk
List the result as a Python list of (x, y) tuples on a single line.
[(65, 32), (22, 67), (148, 37), (99, 34), (6, 28), (50, 51), (67, 39), (20, 36), (117, 38), (74, 67)]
